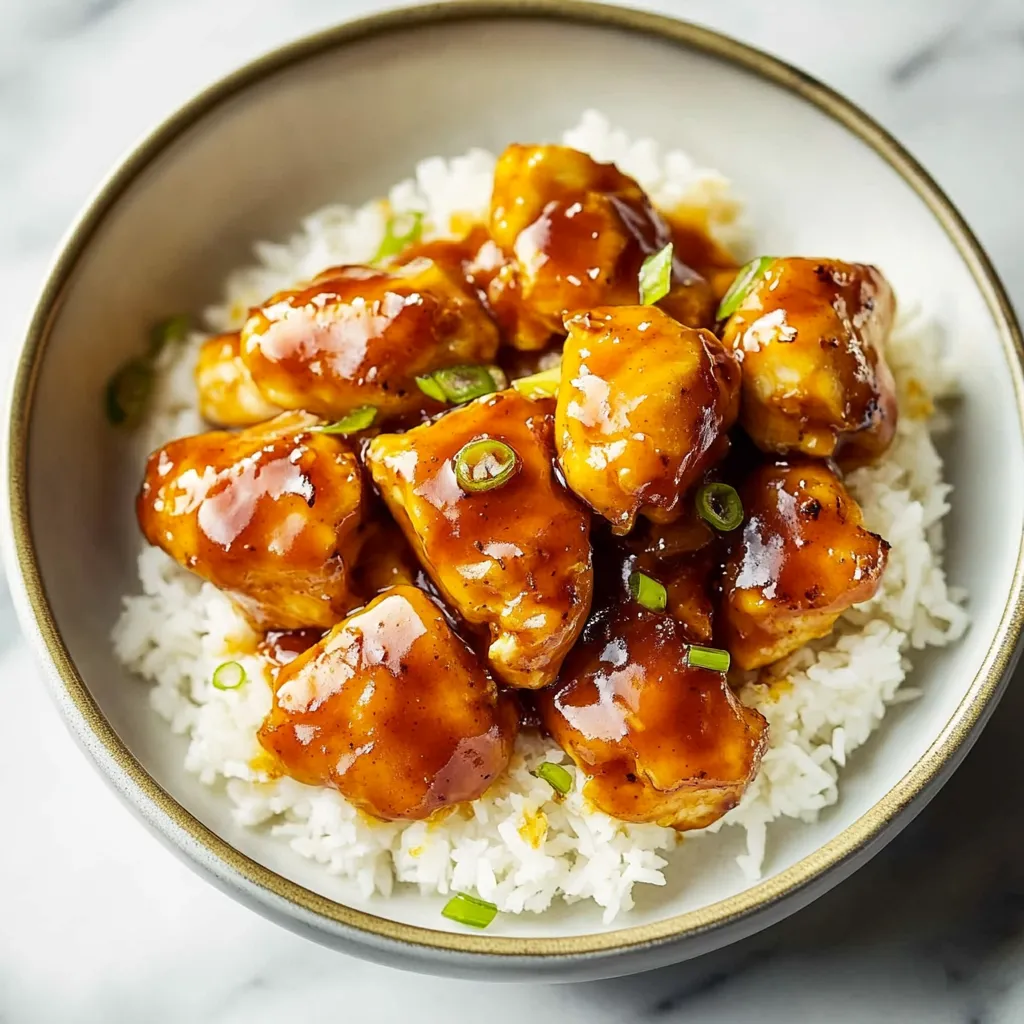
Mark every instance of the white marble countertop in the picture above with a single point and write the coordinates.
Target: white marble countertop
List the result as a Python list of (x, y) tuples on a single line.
[(98, 923)]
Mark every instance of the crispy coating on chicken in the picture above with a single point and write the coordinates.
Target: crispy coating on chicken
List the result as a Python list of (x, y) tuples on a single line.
[(393, 710), (514, 560), (644, 409), (575, 233), (228, 396), (801, 559), (659, 740), (810, 335), (359, 336), (268, 514)]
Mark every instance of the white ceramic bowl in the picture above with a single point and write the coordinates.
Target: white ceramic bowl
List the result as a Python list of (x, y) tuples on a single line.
[(338, 117)]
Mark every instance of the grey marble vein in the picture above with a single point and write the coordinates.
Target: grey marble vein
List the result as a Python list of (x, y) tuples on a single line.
[(98, 923)]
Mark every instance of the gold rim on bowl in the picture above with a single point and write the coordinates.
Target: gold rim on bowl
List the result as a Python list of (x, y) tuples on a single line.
[(169, 816)]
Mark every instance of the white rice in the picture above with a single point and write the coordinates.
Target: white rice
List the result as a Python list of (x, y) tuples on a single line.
[(520, 847)]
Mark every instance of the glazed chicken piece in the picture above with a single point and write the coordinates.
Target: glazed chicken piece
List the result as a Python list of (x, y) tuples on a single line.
[(810, 335), (644, 409), (660, 741), (576, 233), (515, 559), (228, 396), (359, 336), (801, 559), (268, 515), (475, 258), (393, 710)]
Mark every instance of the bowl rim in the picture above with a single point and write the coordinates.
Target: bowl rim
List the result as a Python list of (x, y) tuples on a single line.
[(172, 819)]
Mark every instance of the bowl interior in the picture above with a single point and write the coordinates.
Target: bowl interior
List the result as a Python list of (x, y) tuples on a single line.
[(342, 126)]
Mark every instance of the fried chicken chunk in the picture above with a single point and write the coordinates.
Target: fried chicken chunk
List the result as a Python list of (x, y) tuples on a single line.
[(576, 233), (393, 710), (801, 559), (515, 559), (810, 334), (644, 409), (267, 514), (228, 396), (660, 741), (359, 336)]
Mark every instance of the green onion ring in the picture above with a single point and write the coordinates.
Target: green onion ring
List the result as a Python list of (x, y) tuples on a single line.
[(229, 675), (719, 505), (484, 464)]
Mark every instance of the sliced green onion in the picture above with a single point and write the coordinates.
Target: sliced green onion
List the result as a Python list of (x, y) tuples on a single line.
[(656, 276), (499, 377), (356, 420), (463, 383), (169, 331), (229, 675), (720, 505), (471, 910), (460, 383), (539, 385), (707, 657), (484, 464), (648, 592), (128, 392), (742, 284), (399, 232), (430, 388), (557, 777)]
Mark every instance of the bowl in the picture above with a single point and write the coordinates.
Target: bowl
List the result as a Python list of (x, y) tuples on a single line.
[(340, 115)]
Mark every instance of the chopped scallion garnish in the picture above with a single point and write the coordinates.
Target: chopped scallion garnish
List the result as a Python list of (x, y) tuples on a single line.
[(128, 392), (484, 464), (742, 285), (229, 675), (557, 777), (461, 383), (401, 231), (720, 505), (430, 388), (539, 385), (173, 329), (499, 377), (656, 276), (648, 592), (471, 910), (707, 657), (356, 420)]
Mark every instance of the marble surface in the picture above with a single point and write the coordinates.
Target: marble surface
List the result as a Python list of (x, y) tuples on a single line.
[(99, 923)]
